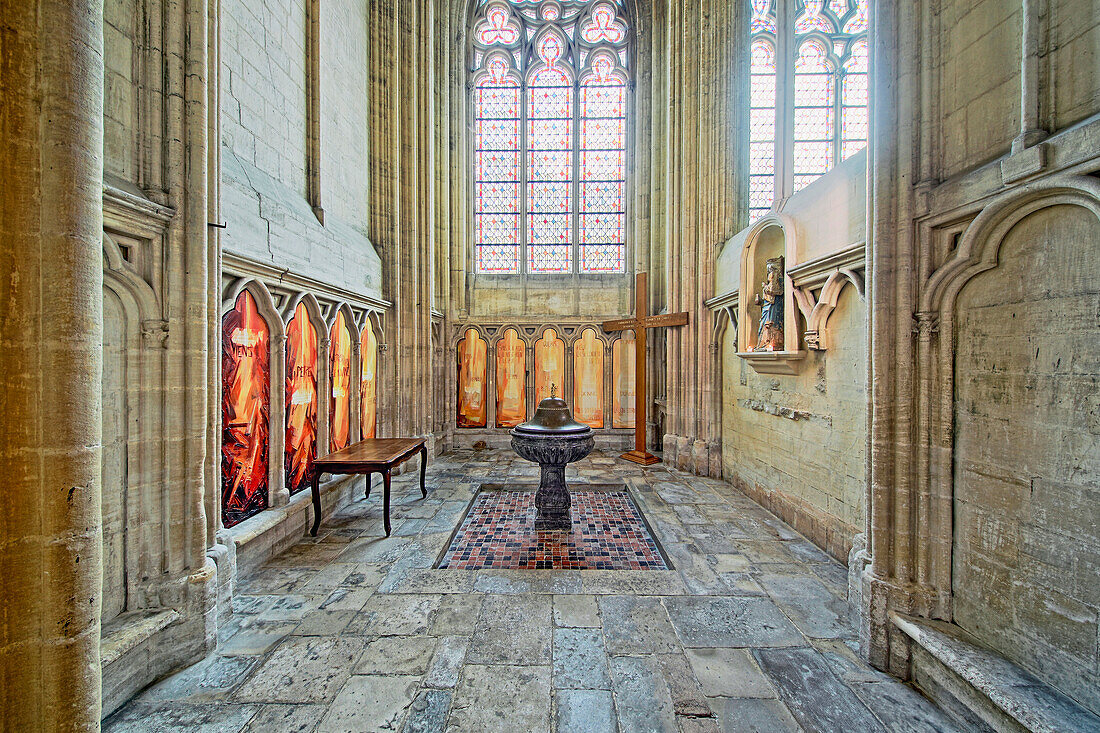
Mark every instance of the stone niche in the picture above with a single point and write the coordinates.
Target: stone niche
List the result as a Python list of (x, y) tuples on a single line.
[(1026, 535), (766, 288)]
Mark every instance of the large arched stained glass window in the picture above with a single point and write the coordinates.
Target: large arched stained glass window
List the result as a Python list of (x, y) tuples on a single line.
[(794, 138), (550, 131)]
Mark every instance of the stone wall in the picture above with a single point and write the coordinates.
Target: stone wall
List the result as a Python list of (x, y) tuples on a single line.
[(983, 239), (120, 98), (1027, 451), (797, 444), (265, 141), (979, 83)]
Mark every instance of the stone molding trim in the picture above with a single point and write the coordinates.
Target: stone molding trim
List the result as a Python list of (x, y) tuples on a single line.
[(281, 279), (978, 252), (134, 214), (816, 309), (925, 558)]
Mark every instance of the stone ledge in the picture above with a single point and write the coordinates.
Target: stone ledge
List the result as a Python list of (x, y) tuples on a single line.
[(130, 630), (994, 691)]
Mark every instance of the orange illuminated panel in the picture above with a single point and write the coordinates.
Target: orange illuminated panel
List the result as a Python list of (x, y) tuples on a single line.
[(246, 405), (623, 382), (368, 382), (301, 400), (511, 380), (549, 365), (339, 411), (588, 379), (472, 361)]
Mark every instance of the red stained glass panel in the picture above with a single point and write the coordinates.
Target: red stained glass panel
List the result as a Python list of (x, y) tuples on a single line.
[(368, 382), (340, 379), (246, 406), (301, 400)]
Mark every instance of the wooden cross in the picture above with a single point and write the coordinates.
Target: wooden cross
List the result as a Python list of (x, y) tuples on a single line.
[(639, 324)]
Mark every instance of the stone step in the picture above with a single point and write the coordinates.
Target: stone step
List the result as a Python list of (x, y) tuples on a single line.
[(983, 689)]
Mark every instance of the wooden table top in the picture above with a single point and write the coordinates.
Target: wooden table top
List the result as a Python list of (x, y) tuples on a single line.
[(380, 451)]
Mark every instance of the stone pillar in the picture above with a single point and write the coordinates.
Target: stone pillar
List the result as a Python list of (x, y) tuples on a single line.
[(51, 258), (402, 133), (706, 51)]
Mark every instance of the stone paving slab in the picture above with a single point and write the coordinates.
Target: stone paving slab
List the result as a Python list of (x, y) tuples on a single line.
[(371, 702), (815, 696), (512, 630), (731, 621), (580, 662), (637, 625), (584, 711), (501, 699), (354, 631)]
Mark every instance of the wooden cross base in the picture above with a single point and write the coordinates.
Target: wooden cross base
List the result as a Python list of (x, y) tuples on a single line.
[(644, 458), (639, 324)]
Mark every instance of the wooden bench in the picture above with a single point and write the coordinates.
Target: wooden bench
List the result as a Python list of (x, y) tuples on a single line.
[(375, 455)]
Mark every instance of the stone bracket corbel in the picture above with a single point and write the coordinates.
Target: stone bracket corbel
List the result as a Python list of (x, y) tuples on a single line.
[(816, 310)]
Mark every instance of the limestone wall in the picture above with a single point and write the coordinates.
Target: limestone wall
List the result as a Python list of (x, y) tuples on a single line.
[(120, 97), (979, 82), (797, 443), (265, 140), (1027, 451), (984, 238)]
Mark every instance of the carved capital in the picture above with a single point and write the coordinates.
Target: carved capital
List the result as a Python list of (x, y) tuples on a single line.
[(154, 333), (813, 340), (927, 323)]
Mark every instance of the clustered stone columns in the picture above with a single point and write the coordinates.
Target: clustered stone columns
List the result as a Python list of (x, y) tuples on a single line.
[(402, 134), (697, 50), (50, 373)]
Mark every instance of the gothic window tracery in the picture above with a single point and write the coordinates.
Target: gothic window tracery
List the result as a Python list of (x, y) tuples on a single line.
[(795, 138), (550, 131)]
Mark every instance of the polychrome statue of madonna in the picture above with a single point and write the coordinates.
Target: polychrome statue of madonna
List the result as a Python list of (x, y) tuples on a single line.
[(770, 335)]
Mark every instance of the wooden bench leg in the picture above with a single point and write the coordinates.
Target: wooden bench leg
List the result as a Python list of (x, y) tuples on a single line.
[(386, 500), (315, 487), (366, 493), (423, 469)]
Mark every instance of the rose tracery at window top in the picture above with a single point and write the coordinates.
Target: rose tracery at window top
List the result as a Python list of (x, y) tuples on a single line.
[(549, 99)]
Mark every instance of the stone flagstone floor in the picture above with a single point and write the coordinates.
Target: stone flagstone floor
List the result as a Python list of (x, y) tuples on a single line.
[(353, 631)]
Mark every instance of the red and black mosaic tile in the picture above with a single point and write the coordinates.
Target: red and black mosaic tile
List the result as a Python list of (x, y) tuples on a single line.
[(608, 534)]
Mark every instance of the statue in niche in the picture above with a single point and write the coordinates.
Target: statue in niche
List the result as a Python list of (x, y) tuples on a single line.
[(770, 335)]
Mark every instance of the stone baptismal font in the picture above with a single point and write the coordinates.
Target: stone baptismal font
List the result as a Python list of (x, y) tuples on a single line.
[(553, 439)]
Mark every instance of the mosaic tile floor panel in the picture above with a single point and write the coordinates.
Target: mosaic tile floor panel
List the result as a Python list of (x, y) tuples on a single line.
[(608, 534)]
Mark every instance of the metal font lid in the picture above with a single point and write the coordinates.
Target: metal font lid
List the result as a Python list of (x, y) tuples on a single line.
[(553, 416)]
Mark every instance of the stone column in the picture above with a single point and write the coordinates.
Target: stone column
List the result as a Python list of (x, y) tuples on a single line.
[(706, 51), (51, 258)]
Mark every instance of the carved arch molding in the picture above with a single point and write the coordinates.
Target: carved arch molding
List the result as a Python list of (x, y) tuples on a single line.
[(978, 251)]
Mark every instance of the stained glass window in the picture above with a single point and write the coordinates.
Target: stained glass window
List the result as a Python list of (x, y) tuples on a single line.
[(550, 97), (828, 71), (473, 354), (762, 128), (368, 382), (814, 121), (301, 400), (246, 406), (339, 406)]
